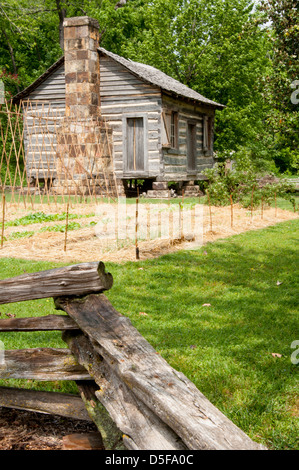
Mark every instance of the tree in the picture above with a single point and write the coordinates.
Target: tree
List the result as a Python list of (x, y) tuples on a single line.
[(217, 48), (31, 31), (283, 115)]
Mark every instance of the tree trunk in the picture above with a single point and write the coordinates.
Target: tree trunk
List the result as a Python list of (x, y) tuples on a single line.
[(61, 15)]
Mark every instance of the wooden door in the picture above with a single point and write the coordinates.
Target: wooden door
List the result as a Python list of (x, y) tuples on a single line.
[(135, 144), (191, 146)]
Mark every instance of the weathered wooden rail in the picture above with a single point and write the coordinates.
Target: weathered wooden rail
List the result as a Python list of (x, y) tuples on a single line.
[(136, 399)]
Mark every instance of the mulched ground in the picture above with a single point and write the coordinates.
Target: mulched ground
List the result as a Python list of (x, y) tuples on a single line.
[(25, 430)]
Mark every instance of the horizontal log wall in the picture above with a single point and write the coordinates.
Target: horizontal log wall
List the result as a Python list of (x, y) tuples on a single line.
[(48, 101), (175, 160), (124, 95)]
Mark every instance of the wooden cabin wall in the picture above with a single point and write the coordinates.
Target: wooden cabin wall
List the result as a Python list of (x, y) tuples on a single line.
[(43, 109), (175, 160), (123, 96)]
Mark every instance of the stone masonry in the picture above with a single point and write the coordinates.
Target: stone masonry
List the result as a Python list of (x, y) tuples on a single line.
[(84, 140)]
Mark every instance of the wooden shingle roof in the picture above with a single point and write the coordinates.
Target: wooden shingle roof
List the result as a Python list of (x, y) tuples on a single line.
[(156, 77), (145, 72)]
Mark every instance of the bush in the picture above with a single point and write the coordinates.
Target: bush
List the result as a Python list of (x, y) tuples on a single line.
[(245, 186)]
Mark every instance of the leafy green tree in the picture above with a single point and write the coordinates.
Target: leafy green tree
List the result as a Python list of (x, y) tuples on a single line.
[(283, 115), (217, 48)]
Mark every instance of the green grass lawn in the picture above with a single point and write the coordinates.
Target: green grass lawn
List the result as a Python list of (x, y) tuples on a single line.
[(225, 347)]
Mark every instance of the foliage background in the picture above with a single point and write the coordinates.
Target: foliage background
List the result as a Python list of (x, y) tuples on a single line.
[(241, 53)]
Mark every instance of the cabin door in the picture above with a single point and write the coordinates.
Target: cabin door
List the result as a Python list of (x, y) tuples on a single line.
[(135, 145), (191, 146)]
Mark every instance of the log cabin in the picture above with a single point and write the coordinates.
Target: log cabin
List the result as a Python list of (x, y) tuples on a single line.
[(160, 130)]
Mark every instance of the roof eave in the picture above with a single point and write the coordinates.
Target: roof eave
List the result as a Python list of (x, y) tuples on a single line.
[(24, 93), (165, 90)]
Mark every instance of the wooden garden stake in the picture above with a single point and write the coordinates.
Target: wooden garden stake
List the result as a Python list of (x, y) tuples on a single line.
[(3, 220), (210, 210), (148, 226), (252, 192), (66, 225), (171, 226), (136, 230), (180, 221), (231, 211)]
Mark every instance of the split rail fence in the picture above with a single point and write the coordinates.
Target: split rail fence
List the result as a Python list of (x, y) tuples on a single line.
[(135, 398)]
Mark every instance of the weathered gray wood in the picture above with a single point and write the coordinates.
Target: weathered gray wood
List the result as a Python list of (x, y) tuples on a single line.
[(61, 404), (133, 365), (41, 364), (142, 429), (53, 87), (78, 279), (46, 323)]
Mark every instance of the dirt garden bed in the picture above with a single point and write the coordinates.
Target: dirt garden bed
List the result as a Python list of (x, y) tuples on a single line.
[(37, 241)]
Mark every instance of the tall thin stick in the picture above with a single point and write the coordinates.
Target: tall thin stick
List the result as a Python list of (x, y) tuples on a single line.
[(3, 219), (180, 221), (252, 192), (210, 210), (171, 226), (148, 226), (275, 204), (231, 211), (66, 225), (136, 230)]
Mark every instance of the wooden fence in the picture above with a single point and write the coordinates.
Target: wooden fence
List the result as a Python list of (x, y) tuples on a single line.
[(136, 399)]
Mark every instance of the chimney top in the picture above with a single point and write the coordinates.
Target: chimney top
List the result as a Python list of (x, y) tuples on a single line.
[(82, 66), (81, 21)]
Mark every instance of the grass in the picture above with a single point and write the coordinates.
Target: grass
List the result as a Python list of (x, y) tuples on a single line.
[(226, 348)]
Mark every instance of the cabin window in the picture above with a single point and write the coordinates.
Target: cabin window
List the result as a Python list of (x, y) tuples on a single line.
[(207, 134), (135, 144), (191, 146), (170, 129)]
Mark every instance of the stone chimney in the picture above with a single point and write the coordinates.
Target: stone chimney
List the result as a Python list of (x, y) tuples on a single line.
[(82, 67), (84, 140)]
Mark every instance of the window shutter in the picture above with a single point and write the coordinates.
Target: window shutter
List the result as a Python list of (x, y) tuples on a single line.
[(166, 130)]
